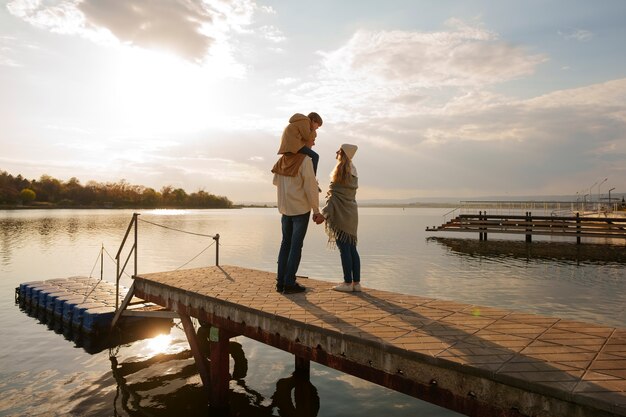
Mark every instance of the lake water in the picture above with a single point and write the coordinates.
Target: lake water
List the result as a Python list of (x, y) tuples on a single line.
[(44, 373)]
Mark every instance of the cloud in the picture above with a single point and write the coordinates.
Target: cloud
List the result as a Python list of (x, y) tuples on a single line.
[(580, 35), (287, 81), (462, 56), (392, 72), (7, 51), (272, 33), (487, 142), (175, 26), (188, 28)]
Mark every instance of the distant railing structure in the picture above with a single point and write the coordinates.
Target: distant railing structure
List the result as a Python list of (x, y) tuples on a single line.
[(544, 208)]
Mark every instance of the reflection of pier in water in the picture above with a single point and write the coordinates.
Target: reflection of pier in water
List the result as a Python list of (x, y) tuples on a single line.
[(192, 400), (559, 251), (136, 394)]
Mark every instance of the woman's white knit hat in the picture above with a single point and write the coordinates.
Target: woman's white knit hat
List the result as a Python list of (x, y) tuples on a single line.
[(349, 150)]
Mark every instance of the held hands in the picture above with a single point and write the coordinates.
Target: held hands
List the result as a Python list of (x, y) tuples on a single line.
[(318, 218)]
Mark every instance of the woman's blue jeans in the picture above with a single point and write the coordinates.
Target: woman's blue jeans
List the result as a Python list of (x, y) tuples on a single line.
[(294, 230), (350, 261)]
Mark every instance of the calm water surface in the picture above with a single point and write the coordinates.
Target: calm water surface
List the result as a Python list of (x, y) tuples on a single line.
[(44, 373)]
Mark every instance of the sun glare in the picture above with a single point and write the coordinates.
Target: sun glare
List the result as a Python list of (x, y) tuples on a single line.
[(158, 93), (159, 344)]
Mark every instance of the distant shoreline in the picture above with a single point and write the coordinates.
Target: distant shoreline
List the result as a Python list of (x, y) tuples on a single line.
[(234, 206), (71, 207)]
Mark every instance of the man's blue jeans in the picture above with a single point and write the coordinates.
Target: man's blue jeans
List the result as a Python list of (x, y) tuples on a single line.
[(294, 230), (350, 261)]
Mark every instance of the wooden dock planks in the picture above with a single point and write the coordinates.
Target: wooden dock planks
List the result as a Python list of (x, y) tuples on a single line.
[(475, 360)]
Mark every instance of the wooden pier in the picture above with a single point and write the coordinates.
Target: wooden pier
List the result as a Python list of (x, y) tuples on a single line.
[(479, 361), (569, 226)]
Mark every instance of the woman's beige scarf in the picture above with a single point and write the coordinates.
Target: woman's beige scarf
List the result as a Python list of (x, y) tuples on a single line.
[(341, 212)]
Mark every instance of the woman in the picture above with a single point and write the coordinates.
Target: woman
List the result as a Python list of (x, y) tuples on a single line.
[(342, 217)]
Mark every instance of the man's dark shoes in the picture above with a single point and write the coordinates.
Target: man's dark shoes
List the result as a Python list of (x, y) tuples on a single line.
[(279, 288), (293, 289)]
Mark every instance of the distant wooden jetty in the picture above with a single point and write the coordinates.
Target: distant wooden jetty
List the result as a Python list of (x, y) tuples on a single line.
[(528, 225), (479, 361)]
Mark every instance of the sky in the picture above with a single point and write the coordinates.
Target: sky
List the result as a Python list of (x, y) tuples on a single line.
[(457, 99)]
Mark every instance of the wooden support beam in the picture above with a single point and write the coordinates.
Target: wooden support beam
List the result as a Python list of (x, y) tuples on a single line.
[(220, 376), (161, 314), (303, 367), (201, 363)]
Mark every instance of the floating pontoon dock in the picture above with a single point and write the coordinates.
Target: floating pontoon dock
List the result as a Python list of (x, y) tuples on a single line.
[(82, 304)]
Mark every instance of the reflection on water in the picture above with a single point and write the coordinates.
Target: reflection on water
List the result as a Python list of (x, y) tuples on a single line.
[(154, 329), (149, 387), (504, 250)]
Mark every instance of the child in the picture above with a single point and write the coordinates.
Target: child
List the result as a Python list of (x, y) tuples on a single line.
[(301, 129)]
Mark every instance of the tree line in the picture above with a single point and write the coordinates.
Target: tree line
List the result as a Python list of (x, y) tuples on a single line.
[(51, 192)]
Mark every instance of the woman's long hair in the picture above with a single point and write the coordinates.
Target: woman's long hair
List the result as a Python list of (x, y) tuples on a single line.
[(342, 172)]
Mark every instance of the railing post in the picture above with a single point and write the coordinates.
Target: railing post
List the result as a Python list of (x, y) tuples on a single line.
[(529, 227), (117, 283), (118, 270), (101, 262), (136, 219), (217, 249)]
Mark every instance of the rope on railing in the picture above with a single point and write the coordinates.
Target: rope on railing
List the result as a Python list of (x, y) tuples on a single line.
[(113, 260), (98, 258), (177, 230), (191, 260)]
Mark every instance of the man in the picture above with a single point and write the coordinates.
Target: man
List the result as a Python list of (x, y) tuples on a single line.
[(297, 193)]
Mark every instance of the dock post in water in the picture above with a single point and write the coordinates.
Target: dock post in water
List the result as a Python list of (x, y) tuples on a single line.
[(577, 227), (529, 227), (219, 340), (480, 233), (303, 367), (485, 227)]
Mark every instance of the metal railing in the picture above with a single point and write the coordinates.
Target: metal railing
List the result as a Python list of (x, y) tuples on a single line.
[(133, 225), (546, 208), (133, 250)]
